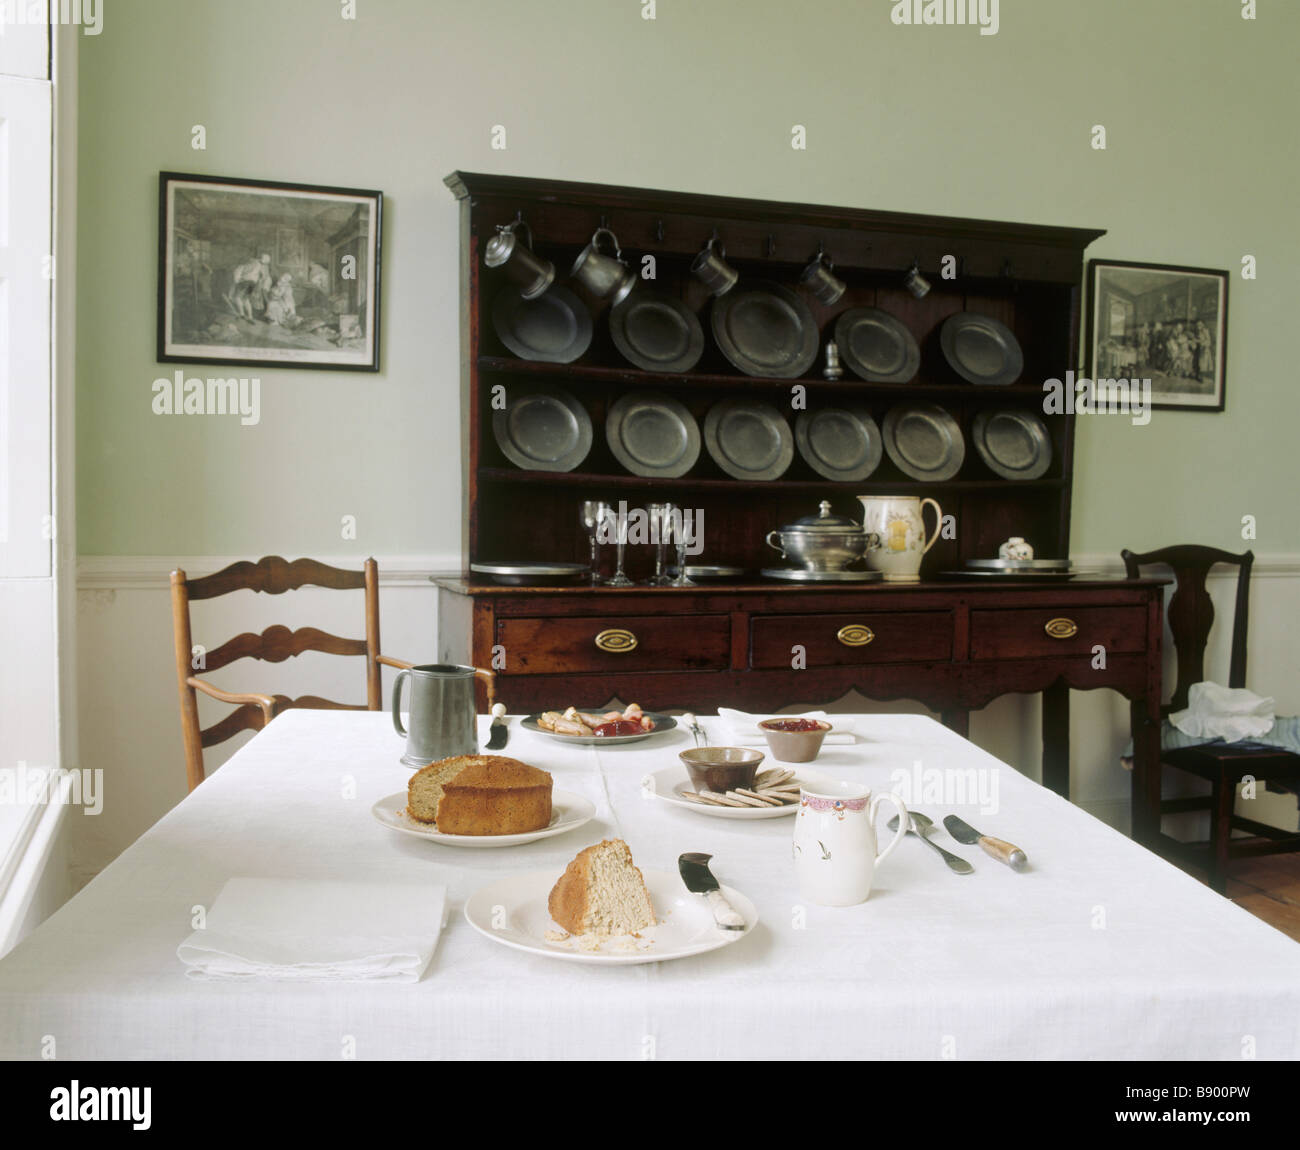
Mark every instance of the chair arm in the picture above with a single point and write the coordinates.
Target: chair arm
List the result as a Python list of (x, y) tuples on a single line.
[(264, 701), (387, 662)]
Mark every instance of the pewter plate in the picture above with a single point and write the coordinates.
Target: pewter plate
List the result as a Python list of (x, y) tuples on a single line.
[(839, 443), (656, 332), (1019, 564), (981, 349), (798, 575), (652, 435), (748, 439), (662, 723), (1013, 443), (876, 346), (553, 328), (713, 571), (530, 574), (765, 330), (1016, 576), (924, 441), (543, 429)]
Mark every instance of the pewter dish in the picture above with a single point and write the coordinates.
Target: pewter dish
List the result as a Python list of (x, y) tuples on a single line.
[(1015, 576), (981, 349), (652, 435), (842, 444), (1014, 443), (656, 332), (748, 439), (555, 327), (530, 574), (876, 346), (924, 441), (1019, 564), (765, 330), (712, 571), (799, 575), (543, 429)]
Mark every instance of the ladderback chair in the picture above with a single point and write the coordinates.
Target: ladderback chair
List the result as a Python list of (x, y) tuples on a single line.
[(1224, 765), (274, 576)]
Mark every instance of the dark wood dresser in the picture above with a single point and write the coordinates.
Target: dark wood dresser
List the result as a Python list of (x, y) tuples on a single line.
[(952, 645)]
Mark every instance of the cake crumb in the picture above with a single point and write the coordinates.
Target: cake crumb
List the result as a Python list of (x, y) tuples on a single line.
[(556, 935)]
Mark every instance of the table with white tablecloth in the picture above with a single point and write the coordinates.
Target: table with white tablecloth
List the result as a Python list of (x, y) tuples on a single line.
[(1099, 950)]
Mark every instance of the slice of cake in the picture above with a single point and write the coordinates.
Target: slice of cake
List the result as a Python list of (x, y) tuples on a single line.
[(601, 893), (480, 795)]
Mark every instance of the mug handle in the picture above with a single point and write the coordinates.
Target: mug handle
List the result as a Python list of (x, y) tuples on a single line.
[(938, 522), (491, 677), (613, 239), (904, 820), (397, 701)]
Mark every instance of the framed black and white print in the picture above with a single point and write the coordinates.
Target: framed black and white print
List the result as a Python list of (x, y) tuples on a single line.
[(262, 273), (1163, 323)]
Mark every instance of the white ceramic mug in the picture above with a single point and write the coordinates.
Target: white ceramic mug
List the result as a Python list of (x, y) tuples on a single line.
[(835, 848)]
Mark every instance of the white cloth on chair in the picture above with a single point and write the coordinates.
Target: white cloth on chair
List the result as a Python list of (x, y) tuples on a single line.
[(1227, 713)]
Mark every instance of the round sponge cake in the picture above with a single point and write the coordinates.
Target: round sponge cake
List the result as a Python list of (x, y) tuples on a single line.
[(480, 795)]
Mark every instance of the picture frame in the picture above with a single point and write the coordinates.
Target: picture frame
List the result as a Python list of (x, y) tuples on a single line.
[(264, 273), (1161, 322)]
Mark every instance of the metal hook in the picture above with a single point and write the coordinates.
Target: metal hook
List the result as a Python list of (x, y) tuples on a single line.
[(659, 231), (769, 246)]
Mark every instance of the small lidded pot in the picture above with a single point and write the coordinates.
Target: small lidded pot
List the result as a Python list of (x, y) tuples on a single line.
[(823, 542)]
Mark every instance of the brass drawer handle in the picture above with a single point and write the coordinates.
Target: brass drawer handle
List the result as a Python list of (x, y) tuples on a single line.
[(1061, 628), (616, 641), (855, 635)]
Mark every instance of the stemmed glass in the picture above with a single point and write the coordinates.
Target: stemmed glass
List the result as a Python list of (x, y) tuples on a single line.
[(660, 523), (677, 528), (617, 521), (593, 514)]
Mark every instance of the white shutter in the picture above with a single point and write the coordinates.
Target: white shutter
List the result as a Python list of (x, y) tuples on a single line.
[(25, 294), (25, 38)]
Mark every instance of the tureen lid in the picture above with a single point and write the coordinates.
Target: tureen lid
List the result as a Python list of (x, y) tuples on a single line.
[(824, 521)]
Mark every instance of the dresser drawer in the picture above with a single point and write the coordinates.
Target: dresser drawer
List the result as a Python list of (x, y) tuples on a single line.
[(542, 646), (1026, 633), (863, 637)]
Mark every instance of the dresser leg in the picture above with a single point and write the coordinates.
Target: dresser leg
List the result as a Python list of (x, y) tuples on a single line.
[(1056, 739), (1146, 772), (957, 722)]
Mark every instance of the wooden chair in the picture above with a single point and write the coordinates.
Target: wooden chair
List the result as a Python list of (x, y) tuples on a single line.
[(274, 576), (1191, 615)]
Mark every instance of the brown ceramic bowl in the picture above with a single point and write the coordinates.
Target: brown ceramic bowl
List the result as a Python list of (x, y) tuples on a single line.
[(722, 768), (793, 746)]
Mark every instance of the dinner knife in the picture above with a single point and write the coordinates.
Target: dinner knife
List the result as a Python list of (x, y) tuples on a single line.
[(498, 732), (1004, 852), (695, 872)]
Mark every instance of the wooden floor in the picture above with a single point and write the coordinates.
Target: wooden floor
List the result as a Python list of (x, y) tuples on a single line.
[(1269, 888)]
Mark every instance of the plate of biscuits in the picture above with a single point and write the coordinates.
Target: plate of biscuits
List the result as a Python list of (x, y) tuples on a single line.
[(482, 801), (773, 794)]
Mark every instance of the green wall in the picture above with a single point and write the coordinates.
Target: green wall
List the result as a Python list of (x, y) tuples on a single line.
[(1200, 169)]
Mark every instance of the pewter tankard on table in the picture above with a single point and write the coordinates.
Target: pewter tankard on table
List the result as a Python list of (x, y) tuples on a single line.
[(441, 714)]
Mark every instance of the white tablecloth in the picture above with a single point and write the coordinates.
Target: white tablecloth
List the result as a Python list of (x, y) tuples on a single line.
[(1101, 950)]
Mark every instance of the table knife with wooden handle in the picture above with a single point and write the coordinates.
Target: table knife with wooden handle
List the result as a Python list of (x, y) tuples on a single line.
[(1003, 851)]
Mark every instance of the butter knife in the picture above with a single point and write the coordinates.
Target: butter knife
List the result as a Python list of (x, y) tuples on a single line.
[(1004, 852), (694, 868), (498, 732)]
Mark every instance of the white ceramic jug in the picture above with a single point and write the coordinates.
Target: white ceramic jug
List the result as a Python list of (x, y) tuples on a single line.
[(835, 848), (898, 521)]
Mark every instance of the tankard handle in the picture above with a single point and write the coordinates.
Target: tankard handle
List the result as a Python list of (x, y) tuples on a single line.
[(397, 701)]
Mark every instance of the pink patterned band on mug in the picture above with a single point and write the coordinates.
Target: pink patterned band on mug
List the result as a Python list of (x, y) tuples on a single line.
[(818, 803)]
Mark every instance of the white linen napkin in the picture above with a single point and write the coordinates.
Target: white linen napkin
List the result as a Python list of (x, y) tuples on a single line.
[(742, 728), (317, 931), (1227, 713)]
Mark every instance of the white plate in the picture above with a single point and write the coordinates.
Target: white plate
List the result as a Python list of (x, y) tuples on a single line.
[(662, 723), (688, 930), (668, 784), (568, 812)]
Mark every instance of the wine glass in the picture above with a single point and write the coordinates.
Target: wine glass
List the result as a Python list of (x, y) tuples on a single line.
[(677, 528), (617, 521), (660, 519), (592, 515)]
